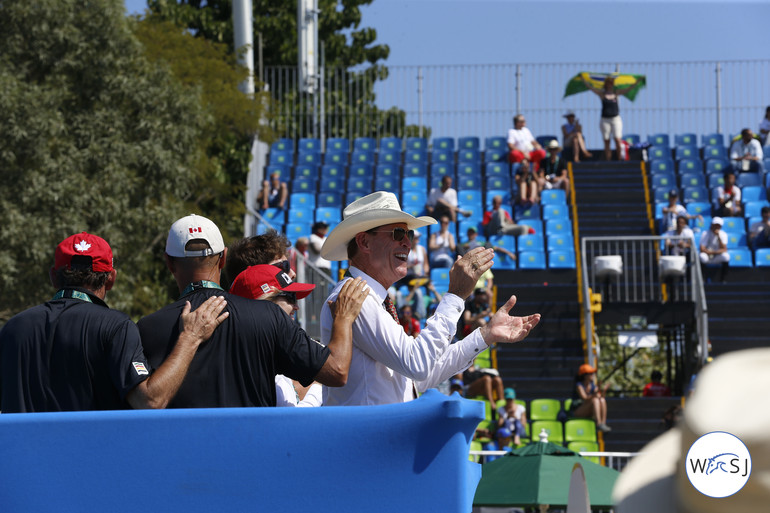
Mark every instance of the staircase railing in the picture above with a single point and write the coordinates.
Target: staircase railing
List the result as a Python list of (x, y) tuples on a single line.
[(639, 281)]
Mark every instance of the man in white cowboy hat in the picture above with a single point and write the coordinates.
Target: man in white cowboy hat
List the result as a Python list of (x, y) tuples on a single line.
[(717, 459), (389, 366)]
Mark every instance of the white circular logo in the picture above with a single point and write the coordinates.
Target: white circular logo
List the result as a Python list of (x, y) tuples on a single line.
[(718, 464)]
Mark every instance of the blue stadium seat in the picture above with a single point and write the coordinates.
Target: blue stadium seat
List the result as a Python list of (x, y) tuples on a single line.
[(496, 155), (663, 180), (336, 157), (442, 157), (661, 194), (281, 157), (387, 171), (504, 241), (391, 144), (531, 259), (294, 231), (412, 200), (686, 139), (328, 214), (560, 242), (498, 182), (702, 208), (465, 155), (462, 230), (309, 145), (495, 143), (754, 208), (386, 183), (337, 144), (659, 140), (699, 225), (416, 157), (497, 169), (283, 144), (361, 185), (365, 144), (748, 180), (468, 143), (658, 153), (714, 152), (558, 226), (532, 222), (274, 215), (763, 257), (360, 171), (443, 143), (468, 169), (332, 184), (531, 242), (309, 157), (300, 215), (416, 143), (715, 180), (304, 185), (440, 276), (469, 182), (693, 165), (527, 212), (350, 197), (553, 197), (693, 180), (543, 140), (736, 240), (283, 170), (415, 169), (306, 171), (561, 259), (555, 211), (712, 140), (469, 196), (414, 183), (439, 171), (686, 152), (329, 171), (753, 193), (717, 166), (435, 228), (503, 261), (662, 165), (362, 157), (389, 157), (698, 193), (740, 256), (632, 139), (330, 199), (734, 224)]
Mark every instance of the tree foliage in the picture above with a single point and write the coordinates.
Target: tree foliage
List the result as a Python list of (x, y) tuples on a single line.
[(96, 137)]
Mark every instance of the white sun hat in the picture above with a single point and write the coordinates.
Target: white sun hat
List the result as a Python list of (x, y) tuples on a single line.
[(373, 210)]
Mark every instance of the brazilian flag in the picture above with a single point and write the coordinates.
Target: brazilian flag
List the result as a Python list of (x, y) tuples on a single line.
[(577, 85)]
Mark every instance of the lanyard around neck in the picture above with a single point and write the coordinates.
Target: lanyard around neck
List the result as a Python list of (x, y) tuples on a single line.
[(203, 284)]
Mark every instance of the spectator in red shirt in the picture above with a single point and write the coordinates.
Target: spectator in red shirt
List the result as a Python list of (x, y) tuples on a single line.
[(410, 324), (498, 222), (655, 388)]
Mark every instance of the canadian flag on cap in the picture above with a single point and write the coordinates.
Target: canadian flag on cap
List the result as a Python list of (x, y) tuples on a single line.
[(196, 229)]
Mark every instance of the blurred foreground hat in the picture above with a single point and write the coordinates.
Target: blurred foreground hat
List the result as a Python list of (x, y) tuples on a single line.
[(83, 251)]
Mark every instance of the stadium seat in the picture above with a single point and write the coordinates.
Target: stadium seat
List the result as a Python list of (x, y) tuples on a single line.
[(495, 155), (712, 140), (698, 193), (330, 199), (337, 144), (468, 169), (414, 183), (531, 259), (465, 155), (558, 227), (440, 276), (438, 172), (391, 144), (686, 152), (740, 257), (632, 139), (534, 223), (360, 171), (390, 184), (469, 197), (553, 197), (468, 182), (503, 261), (283, 144), (543, 140), (748, 180), (664, 180), (734, 224), (693, 180), (414, 198), (309, 145), (361, 185), (691, 165), (702, 208), (660, 194), (443, 143), (497, 169), (350, 197), (659, 140), (498, 182), (526, 212), (763, 257), (754, 208), (309, 157), (504, 241), (304, 185), (580, 430), (332, 171), (560, 242), (389, 157), (555, 211), (328, 215), (581, 446), (281, 157), (662, 165), (275, 216), (658, 153), (415, 169), (301, 215), (387, 171), (416, 157), (544, 409), (686, 139), (715, 180), (469, 143), (531, 242), (283, 170), (336, 157), (416, 143), (294, 231), (365, 144), (445, 157), (561, 259), (753, 193), (714, 152), (308, 170), (717, 166), (495, 143), (362, 157), (331, 184)]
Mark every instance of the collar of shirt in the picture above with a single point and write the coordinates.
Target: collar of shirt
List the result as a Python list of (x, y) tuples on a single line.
[(81, 294), (380, 291)]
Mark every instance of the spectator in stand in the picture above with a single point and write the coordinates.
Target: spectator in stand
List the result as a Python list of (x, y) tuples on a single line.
[(679, 247), (674, 210), (317, 239), (268, 248), (498, 221), (572, 131), (527, 182), (764, 129), (472, 242), (414, 298), (588, 398), (611, 124), (300, 248), (655, 388), (728, 197), (513, 416), (442, 201), (417, 261), (485, 383), (410, 324), (713, 247), (442, 246), (273, 194), (486, 282), (502, 442), (746, 152), (522, 145), (759, 232), (553, 170), (476, 312)]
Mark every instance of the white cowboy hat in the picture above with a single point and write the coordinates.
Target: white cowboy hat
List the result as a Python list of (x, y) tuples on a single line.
[(729, 397), (376, 209)]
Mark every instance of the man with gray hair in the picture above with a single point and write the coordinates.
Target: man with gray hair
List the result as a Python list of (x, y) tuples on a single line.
[(389, 366)]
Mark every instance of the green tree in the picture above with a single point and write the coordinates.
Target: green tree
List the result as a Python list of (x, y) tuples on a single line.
[(93, 137)]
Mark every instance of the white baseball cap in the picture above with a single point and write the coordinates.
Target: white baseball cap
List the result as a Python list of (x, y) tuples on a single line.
[(193, 227)]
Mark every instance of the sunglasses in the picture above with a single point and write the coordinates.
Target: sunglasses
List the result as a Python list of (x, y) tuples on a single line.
[(289, 297), (283, 265), (398, 234)]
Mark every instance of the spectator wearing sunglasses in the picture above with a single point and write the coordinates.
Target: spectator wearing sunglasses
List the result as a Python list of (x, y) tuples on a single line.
[(238, 364), (388, 365)]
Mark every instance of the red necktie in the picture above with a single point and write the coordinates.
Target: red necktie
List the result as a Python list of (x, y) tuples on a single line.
[(391, 308)]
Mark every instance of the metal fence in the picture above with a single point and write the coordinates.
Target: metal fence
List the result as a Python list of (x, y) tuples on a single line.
[(480, 100)]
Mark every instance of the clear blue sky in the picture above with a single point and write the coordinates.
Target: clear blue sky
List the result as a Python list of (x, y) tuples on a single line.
[(428, 32)]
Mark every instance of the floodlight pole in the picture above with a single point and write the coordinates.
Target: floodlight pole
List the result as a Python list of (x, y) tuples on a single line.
[(719, 97), (244, 42), (419, 100)]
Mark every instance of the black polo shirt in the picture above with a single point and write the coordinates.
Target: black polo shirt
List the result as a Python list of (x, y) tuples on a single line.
[(69, 354), (238, 364)]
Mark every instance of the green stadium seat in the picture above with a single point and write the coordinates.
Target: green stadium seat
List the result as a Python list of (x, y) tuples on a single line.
[(553, 428), (544, 409), (577, 430)]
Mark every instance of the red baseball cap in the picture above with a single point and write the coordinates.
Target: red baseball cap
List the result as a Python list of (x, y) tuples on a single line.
[(258, 280), (84, 245)]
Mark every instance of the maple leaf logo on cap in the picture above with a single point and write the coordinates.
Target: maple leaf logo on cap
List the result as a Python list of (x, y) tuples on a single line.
[(82, 246)]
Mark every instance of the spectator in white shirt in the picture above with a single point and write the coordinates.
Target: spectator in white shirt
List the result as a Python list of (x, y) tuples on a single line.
[(680, 240), (764, 128), (746, 152), (443, 201), (713, 246), (522, 145), (389, 366)]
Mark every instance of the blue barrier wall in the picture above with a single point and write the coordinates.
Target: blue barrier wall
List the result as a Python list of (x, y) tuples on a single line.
[(396, 458)]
